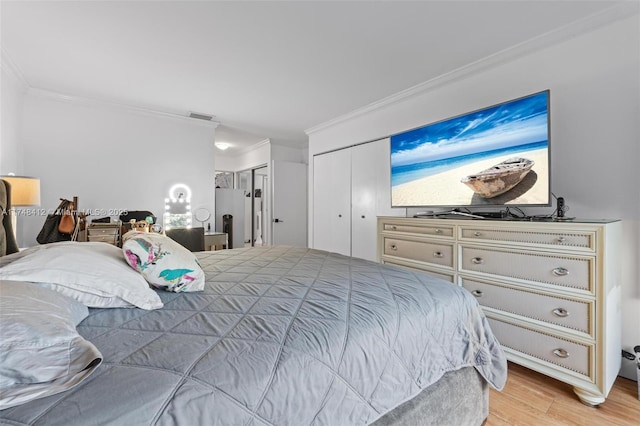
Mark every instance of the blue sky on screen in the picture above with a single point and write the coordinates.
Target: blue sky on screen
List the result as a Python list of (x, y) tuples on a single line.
[(509, 124)]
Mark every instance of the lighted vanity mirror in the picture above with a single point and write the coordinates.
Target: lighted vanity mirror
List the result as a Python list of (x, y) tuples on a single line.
[(177, 207)]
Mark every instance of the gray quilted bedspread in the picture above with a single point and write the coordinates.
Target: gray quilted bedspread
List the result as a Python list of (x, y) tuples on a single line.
[(280, 336)]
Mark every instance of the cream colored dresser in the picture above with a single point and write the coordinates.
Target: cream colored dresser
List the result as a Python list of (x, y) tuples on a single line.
[(551, 290)]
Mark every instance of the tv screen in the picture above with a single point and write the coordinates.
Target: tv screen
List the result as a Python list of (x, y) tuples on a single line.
[(494, 156)]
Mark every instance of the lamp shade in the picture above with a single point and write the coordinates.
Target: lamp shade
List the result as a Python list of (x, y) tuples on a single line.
[(25, 191)]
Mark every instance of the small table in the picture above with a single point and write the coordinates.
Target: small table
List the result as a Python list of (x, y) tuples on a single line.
[(213, 239)]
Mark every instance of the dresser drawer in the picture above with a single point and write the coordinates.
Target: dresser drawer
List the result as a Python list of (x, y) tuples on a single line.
[(580, 240), (102, 231), (563, 271), (567, 354), (428, 252), (441, 231), (442, 275), (111, 239), (572, 314)]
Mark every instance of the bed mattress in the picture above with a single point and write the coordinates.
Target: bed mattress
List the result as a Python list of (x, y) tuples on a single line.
[(279, 336)]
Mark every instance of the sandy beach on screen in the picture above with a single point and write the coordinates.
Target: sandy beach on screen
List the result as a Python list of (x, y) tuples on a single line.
[(446, 189)]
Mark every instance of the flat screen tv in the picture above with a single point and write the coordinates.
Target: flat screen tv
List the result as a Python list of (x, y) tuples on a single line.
[(494, 156)]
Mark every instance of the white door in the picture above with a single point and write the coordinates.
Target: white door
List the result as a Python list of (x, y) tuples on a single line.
[(332, 201), (289, 198), (370, 195)]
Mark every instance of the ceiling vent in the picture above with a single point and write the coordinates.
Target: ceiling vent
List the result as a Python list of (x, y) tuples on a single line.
[(200, 116)]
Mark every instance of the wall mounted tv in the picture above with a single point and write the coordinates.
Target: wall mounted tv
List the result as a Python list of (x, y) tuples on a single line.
[(494, 156)]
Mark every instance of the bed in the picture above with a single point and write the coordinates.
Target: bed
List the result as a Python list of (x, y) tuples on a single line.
[(277, 336)]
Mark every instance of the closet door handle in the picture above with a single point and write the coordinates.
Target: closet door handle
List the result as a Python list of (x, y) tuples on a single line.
[(561, 353), (477, 260), (560, 312), (560, 271)]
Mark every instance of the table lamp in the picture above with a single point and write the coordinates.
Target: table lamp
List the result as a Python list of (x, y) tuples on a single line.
[(25, 192)]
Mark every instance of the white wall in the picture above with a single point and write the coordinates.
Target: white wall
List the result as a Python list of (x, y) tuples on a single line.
[(113, 158), (286, 153), (595, 105), (12, 93), (225, 163), (259, 155)]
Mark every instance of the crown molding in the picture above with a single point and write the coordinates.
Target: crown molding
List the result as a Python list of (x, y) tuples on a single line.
[(95, 102), (237, 152), (582, 26), (254, 146), (12, 69)]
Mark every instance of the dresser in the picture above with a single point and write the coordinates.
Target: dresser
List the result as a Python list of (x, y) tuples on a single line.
[(550, 290)]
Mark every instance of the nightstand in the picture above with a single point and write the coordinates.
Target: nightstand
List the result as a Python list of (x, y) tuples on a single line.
[(104, 232), (214, 239)]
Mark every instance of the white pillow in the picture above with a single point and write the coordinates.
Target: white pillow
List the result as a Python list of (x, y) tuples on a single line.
[(41, 352), (93, 273), (163, 262)]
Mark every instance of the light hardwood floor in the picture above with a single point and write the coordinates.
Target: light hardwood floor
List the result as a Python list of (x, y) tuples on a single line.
[(530, 398)]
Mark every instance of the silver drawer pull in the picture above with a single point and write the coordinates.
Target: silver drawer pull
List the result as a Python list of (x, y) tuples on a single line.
[(477, 234), (477, 293), (438, 231), (393, 247), (477, 260), (560, 272), (393, 228), (561, 239), (438, 254), (561, 353), (560, 312)]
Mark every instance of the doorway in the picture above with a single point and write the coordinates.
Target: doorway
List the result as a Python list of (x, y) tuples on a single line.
[(255, 183), (288, 203)]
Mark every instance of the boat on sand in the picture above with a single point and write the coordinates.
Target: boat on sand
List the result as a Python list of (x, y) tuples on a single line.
[(500, 178)]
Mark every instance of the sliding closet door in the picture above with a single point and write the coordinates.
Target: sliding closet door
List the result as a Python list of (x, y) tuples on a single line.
[(370, 195), (332, 201)]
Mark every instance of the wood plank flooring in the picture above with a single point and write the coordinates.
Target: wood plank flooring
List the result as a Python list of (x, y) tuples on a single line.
[(530, 398)]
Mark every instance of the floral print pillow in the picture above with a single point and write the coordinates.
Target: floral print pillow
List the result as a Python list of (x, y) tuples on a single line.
[(164, 263)]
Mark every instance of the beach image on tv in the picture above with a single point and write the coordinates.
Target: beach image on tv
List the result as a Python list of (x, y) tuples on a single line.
[(494, 156)]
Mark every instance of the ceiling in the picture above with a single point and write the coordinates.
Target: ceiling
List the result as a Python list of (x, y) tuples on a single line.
[(265, 69)]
